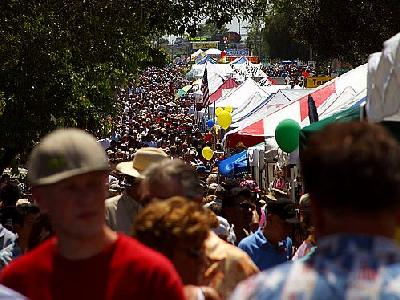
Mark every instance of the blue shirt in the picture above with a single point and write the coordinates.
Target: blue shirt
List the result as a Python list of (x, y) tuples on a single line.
[(264, 254), (342, 267)]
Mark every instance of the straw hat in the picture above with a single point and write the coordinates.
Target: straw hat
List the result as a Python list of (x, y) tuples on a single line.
[(143, 158)]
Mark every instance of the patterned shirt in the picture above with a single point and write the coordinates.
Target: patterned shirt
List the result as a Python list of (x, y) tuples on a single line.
[(343, 267), (227, 266)]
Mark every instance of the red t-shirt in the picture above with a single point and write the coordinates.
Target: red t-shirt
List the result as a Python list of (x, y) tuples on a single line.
[(124, 270)]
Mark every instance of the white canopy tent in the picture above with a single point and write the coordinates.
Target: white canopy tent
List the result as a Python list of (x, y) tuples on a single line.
[(249, 90), (213, 51), (384, 82), (273, 103), (197, 71), (255, 104)]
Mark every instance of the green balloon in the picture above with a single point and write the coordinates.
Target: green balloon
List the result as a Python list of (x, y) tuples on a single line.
[(287, 135)]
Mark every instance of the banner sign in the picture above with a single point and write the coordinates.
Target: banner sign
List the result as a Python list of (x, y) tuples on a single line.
[(238, 52), (197, 38), (205, 45), (312, 82)]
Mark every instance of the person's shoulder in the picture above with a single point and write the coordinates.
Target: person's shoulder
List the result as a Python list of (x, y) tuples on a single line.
[(238, 257), (265, 285), (113, 201), (133, 251), (248, 241), (34, 261)]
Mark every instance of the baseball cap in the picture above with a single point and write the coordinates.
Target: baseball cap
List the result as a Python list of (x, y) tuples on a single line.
[(65, 153), (283, 208)]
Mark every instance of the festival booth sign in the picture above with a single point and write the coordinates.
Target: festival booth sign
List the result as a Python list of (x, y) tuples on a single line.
[(234, 165), (313, 82), (356, 79), (205, 45)]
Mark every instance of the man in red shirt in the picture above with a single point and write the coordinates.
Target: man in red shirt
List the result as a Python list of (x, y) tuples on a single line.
[(86, 260)]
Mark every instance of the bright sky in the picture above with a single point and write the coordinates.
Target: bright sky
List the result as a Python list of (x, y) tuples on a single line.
[(233, 26)]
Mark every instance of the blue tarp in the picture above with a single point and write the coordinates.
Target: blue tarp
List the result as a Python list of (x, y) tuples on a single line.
[(234, 165)]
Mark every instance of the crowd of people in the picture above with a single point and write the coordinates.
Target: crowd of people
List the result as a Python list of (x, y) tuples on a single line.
[(140, 214), (292, 73)]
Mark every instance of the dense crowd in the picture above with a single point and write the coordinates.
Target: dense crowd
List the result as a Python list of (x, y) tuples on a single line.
[(292, 73), (140, 214)]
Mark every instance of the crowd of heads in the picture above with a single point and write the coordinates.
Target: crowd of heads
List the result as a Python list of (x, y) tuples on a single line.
[(154, 117), (292, 73), (154, 151)]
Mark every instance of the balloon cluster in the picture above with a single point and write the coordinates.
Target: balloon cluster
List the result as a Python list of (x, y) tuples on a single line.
[(224, 119), (287, 135)]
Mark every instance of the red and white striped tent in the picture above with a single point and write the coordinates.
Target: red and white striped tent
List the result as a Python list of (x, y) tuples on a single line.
[(228, 84), (325, 95)]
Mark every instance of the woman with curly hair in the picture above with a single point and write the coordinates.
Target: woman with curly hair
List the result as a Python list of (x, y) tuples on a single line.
[(178, 229)]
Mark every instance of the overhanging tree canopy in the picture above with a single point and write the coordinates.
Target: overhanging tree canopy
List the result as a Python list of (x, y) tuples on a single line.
[(61, 61)]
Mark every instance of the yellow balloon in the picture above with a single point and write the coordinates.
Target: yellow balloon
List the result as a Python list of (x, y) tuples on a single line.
[(218, 111), (224, 119), (229, 109), (207, 153)]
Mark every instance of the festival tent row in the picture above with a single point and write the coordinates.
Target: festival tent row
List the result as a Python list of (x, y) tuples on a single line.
[(273, 103), (247, 110), (246, 68), (333, 91), (238, 72), (197, 71), (382, 104), (249, 90)]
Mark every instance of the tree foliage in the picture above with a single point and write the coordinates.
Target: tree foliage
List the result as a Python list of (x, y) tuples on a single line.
[(61, 61), (210, 29), (347, 29)]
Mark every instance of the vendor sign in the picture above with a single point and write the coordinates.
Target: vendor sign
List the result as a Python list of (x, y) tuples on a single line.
[(238, 52), (313, 82), (205, 45)]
